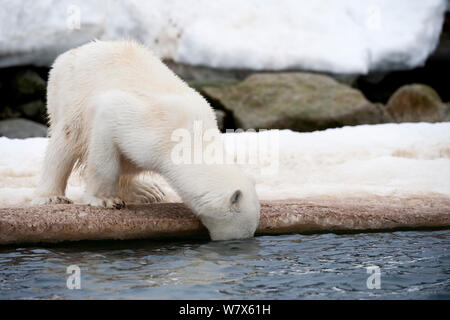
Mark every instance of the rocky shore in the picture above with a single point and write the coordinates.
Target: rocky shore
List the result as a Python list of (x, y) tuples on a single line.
[(300, 101)]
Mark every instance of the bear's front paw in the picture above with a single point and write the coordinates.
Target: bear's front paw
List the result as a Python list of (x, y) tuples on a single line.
[(50, 200), (106, 202), (143, 192)]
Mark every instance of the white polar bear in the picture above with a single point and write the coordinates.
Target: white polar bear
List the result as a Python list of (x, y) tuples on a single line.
[(113, 107)]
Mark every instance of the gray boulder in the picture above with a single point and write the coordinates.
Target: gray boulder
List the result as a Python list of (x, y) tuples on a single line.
[(297, 100), (21, 129)]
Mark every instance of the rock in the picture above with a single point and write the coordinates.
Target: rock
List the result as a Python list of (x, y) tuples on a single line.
[(23, 93), (213, 83), (200, 77), (7, 112), (29, 83), (32, 109), (220, 117), (201, 73), (21, 129), (447, 112), (416, 103), (296, 101)]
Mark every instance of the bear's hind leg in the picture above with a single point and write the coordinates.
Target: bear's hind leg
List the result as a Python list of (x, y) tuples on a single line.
[(58, 164), (102, 171), (134, 190)]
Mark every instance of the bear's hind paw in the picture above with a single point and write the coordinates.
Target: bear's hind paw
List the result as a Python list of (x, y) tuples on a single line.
[(143, 192)]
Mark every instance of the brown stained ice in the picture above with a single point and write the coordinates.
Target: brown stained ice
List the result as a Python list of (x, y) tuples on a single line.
[(68, 222)]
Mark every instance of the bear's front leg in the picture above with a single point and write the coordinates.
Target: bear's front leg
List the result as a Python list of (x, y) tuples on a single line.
[(102, 172)]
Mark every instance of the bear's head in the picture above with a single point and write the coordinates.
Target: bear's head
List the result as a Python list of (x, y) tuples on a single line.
[(234, 216), (222, 196)]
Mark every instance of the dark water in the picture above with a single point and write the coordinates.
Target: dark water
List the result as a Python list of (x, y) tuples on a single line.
[(413, 265)]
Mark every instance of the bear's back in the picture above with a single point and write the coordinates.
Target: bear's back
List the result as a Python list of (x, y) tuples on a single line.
[(83, 73), (103, 65)]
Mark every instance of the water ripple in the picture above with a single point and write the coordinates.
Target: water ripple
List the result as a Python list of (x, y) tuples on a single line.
[(413, 265)]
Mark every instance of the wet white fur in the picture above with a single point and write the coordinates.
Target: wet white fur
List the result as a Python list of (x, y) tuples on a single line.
[(113, 107)]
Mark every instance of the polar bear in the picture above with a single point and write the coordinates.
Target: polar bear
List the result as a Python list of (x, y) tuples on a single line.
[(112, 108)]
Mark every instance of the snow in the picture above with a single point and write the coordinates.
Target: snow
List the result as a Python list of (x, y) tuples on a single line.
[(341, 36), (400, 160)]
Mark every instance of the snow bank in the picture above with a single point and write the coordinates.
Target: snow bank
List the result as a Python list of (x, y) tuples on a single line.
[(346, 36), (399, 160), (388, 159)]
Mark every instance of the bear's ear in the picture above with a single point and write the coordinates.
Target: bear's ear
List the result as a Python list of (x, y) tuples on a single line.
[(235, 199)]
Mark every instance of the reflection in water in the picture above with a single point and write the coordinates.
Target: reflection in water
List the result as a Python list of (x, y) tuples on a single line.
[(414, 265)]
